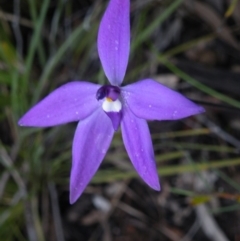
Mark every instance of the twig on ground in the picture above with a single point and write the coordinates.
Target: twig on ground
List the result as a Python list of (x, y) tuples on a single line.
[(209, 225), (56, 212)]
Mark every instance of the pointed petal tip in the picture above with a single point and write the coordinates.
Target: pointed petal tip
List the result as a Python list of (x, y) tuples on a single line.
[(154, 184), (201, 110), (22, 122), (25, 121), (72, 199), (76, 191), (197, 111)]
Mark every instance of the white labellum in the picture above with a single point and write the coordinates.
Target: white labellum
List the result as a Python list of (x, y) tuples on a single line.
[(111, 106)]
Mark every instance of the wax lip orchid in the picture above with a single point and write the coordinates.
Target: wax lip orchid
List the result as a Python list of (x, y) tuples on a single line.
[(101, 110)]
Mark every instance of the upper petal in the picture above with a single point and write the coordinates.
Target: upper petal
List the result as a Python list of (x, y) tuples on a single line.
[(138, 143), (91, 142), (71, 102), (114, 40), (153, 101)]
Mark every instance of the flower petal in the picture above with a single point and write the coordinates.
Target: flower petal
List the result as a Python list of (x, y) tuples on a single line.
[(138, 143), (71, 102), (114, 40), (91, 142), (116, 118), (153, 101)]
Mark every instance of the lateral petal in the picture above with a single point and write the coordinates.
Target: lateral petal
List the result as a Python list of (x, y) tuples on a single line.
[(71, 102), (114, 40), (138, 143), (91, 142), (153, 101)]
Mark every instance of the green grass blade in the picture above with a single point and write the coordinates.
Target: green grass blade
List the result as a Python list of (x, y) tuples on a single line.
[(143, 35), (197, 84), (113, 175), (71, 40), (34, 44)]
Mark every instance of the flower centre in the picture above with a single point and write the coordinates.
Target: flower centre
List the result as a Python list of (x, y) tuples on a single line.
[(112, 106), (109, 92)]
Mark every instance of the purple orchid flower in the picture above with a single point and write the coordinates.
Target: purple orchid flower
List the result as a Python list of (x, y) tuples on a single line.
[(102, 109)]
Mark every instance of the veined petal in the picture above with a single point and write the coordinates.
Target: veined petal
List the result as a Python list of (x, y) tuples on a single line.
[(114, 40), (71, 102), (138, 143), (153, 101), (91, 142)]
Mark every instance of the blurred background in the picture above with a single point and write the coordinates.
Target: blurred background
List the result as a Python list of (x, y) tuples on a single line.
[(192, 46)]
